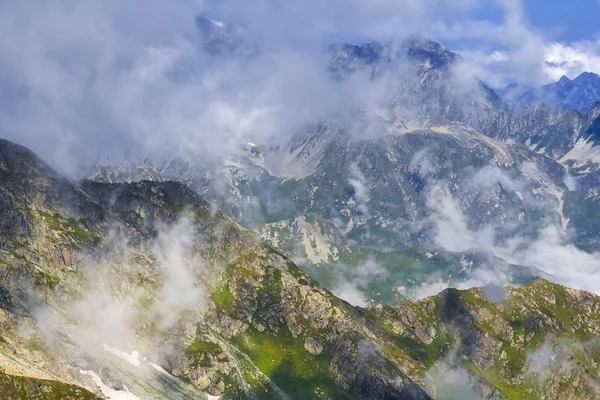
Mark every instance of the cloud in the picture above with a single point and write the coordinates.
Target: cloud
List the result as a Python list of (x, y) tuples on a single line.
[(353, 282), (540, 362), (553, 254), (361, 190), (486, 276), (181, 266), (348, 291), (571, 59), (115, 81), (452, 231), (124, 308), (513, 50), (128, 288), (550, 250), (119, 80)]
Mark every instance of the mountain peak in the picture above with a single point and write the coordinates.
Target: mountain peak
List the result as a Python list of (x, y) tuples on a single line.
[(20, 160), (564, 80), (587, 77), (578, 94), (417, 48), (368, 53), (429, 51)]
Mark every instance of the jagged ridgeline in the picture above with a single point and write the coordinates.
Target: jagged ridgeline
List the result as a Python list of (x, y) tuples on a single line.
[(141, 290)]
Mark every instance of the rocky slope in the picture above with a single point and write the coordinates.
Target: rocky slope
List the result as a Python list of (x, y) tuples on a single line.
[(331, 200), (142, 290), (578, 94)]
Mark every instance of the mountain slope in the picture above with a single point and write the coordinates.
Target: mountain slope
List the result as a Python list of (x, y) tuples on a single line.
[(251, 292), (260, 327)]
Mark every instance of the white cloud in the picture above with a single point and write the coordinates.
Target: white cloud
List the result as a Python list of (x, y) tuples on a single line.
[(553, 254), (353, 288), (452, 232), (515, 51), (571, 59), (80, 80)]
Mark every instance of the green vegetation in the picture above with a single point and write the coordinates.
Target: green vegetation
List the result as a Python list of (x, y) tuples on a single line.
[(24, 388), (35, 343), (283, 359), (75, 231)]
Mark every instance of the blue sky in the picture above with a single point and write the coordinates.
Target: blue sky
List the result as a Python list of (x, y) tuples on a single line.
[(559, 19), (527, 41), (568, 20)]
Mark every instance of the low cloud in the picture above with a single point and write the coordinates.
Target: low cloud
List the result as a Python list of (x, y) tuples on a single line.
[(553, 254), (451, 225), (129, 303), (361, 190), (353, 284)]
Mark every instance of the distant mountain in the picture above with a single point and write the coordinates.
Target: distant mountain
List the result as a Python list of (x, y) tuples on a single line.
[(578, 94), (425, 80)]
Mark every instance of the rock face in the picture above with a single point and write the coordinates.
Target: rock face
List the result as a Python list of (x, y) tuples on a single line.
[(429, 81), (260, 327), (578, 94)]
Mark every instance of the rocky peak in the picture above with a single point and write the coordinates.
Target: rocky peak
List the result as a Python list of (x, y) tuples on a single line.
[(222, 39), (578, 94), (564, 80), (428, 52), (587, 78)]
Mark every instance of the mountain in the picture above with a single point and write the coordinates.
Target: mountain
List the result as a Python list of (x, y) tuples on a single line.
[(411, 182), (578, 94), (425, 197), (142, 290), (426, 80)]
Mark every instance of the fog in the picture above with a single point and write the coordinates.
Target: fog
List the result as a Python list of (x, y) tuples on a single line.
[(110, 81)]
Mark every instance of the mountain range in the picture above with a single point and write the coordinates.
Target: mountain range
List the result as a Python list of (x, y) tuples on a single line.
[(413, 249), (579, 94), (443, 170), (143, 290)]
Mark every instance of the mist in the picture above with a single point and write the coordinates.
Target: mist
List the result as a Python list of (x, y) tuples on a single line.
[(114, 82), (134, 312)]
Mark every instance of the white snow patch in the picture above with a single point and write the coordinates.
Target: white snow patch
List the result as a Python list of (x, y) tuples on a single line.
[(159, 369), (519, 195), (109, 392), (133, 358), (583, 150)]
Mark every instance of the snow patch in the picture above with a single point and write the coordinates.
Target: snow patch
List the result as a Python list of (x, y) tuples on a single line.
[(133, 358), (159, 369), (583, 150), (109, 392)]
